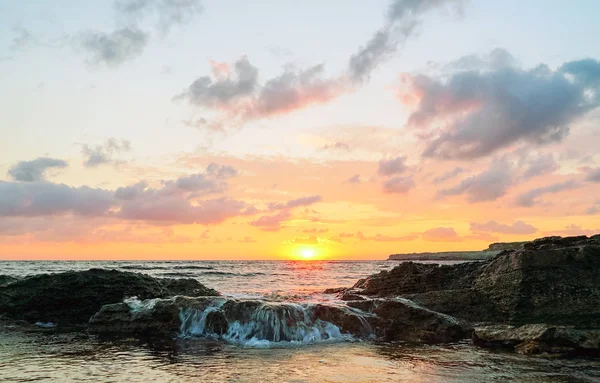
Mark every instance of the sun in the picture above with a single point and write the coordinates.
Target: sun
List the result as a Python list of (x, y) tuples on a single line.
[(307, 253)]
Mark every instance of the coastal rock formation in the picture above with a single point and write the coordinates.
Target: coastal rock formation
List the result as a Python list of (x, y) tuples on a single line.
[(71, 298), (446, 256), (411, 278), (499, 246), (244, 321), (539, 338), (238, 321), (404, 320), (6, 279), (550, 282)]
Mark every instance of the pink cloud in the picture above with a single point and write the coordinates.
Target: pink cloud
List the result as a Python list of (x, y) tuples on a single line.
[(271, 222), (441, 234)]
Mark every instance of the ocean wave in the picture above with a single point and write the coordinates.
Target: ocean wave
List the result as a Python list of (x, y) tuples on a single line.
[(193, 267), (140, 267), (178, 274), (231, 274)]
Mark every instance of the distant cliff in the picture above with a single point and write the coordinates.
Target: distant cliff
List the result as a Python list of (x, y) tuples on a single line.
[(445, 256), (492, 250), (498, 246)]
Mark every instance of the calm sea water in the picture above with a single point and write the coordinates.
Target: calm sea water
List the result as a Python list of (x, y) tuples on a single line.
[(65, 358), (275, 280)]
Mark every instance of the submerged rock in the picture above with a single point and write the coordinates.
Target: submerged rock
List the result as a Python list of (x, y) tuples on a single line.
[(539, 338), (71, 298)]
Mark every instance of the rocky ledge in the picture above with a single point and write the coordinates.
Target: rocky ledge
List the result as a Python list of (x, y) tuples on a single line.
[(71, 298), (245, 320), (552, 283)]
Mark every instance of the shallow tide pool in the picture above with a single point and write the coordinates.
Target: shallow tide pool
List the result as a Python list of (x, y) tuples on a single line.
[(66, 358)]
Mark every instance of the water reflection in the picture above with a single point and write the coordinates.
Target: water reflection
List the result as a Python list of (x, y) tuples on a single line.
[(41, 357)]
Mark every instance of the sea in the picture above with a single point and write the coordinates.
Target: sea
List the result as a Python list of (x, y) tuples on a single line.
[(52, 357)]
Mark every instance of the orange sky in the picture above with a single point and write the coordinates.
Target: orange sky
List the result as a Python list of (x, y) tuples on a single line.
[(395, 127)]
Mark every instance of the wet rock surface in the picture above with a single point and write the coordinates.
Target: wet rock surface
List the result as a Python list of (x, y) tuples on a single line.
[(71, 298), (237, 320), (539, 338), (412, 277), (550, 282), (404, 320), (6, 279), (255, 320)]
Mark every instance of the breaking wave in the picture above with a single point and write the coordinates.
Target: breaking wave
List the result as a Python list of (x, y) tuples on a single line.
[(192, 267), (140, 267)]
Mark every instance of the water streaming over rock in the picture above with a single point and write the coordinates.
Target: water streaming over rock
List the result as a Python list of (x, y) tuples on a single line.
[(259, 323)]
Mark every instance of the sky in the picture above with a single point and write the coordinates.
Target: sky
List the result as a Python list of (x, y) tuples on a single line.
[(340, 129)]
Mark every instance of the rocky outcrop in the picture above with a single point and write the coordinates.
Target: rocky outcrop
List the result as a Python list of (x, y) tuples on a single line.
[(499, 246), (403, 320), (550, 280), (539, 338), (446, 256), (153, 317), (71, 298), (468, 304), (235, 320), (243, 321), (412, 278), (6, 280)]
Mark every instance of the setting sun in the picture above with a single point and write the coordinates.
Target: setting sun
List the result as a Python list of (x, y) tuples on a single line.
[(307, 253)]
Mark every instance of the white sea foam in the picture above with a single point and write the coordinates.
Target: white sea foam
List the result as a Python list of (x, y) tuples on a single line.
[(138, 306), (265, 325)]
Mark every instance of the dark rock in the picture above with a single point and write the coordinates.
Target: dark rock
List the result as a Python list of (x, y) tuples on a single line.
[(187, 286), (467, 304), (349, 295), (349, 321), (554, 242), (412, 278), (550, 280), (159, 318), (335, 290), (539, 338), (253, 319), (505, 246), (216, 323), (73, 297), (6, 280), (406, 321), (363, 305)]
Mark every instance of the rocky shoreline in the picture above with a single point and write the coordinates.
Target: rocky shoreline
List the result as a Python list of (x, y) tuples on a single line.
[(477, 255), (543, 297)]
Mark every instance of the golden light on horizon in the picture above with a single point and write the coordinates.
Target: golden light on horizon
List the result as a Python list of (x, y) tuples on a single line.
[(307, 253)]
